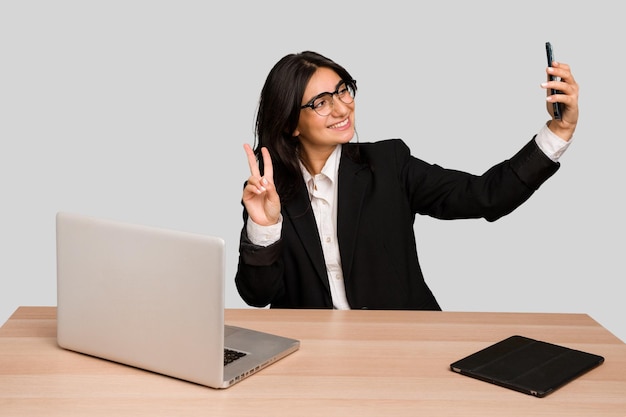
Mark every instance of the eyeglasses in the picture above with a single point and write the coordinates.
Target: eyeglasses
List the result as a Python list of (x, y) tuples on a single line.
[(323, 102)]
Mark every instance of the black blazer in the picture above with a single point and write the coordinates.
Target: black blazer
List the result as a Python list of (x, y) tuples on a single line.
[(377, 202)]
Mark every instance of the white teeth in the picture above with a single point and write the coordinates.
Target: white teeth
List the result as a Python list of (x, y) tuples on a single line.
[(340, 124)]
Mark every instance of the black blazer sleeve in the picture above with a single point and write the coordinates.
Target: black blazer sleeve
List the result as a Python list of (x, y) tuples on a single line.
[(449, 194)]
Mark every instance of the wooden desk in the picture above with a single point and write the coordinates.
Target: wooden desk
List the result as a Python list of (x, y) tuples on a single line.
[(351, 363)]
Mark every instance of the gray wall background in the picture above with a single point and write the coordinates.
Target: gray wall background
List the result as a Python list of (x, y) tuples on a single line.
[(137, 111)]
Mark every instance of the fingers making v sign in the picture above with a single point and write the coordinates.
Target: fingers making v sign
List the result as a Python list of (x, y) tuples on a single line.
[(259, 195)]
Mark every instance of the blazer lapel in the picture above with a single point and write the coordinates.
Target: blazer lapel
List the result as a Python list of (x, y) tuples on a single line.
[(301, 217), (354, 180)]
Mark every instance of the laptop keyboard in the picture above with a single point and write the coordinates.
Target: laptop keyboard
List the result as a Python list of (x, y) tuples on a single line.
[(232, 355)]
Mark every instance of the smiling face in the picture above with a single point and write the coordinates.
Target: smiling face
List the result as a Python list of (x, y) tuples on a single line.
[(319, 135)]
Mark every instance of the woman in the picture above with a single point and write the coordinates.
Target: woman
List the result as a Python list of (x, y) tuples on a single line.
[(328, 223)]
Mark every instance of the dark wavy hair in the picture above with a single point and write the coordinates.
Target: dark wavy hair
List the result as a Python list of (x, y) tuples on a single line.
[(279, 112)]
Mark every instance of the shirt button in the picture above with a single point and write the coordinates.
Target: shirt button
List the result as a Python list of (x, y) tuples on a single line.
[(328, 240)]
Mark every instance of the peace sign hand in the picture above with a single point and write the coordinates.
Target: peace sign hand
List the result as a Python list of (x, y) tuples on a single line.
[(259, 195)]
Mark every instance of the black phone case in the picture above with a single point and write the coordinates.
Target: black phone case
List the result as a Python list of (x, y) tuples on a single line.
[(556, 107)]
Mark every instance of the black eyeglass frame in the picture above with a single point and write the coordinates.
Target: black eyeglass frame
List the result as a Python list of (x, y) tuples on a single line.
[(350, 85)]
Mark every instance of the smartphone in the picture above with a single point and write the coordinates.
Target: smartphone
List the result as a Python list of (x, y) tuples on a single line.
[(556, 107)]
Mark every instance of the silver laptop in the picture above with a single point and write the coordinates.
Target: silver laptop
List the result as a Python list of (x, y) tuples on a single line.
[(154, 299)]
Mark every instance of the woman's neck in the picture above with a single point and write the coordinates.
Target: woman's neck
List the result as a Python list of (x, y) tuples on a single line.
[(315, 159)]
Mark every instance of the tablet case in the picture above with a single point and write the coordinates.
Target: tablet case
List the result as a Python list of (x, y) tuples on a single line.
[(527, 365)]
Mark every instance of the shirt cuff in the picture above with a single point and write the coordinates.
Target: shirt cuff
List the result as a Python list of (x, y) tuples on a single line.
[(264, 235), (552, 145)]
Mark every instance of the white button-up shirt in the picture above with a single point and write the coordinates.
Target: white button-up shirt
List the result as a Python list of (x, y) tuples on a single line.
[(323, 195)]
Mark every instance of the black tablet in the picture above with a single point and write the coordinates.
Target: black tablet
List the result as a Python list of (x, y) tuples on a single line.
[(527, 365)]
